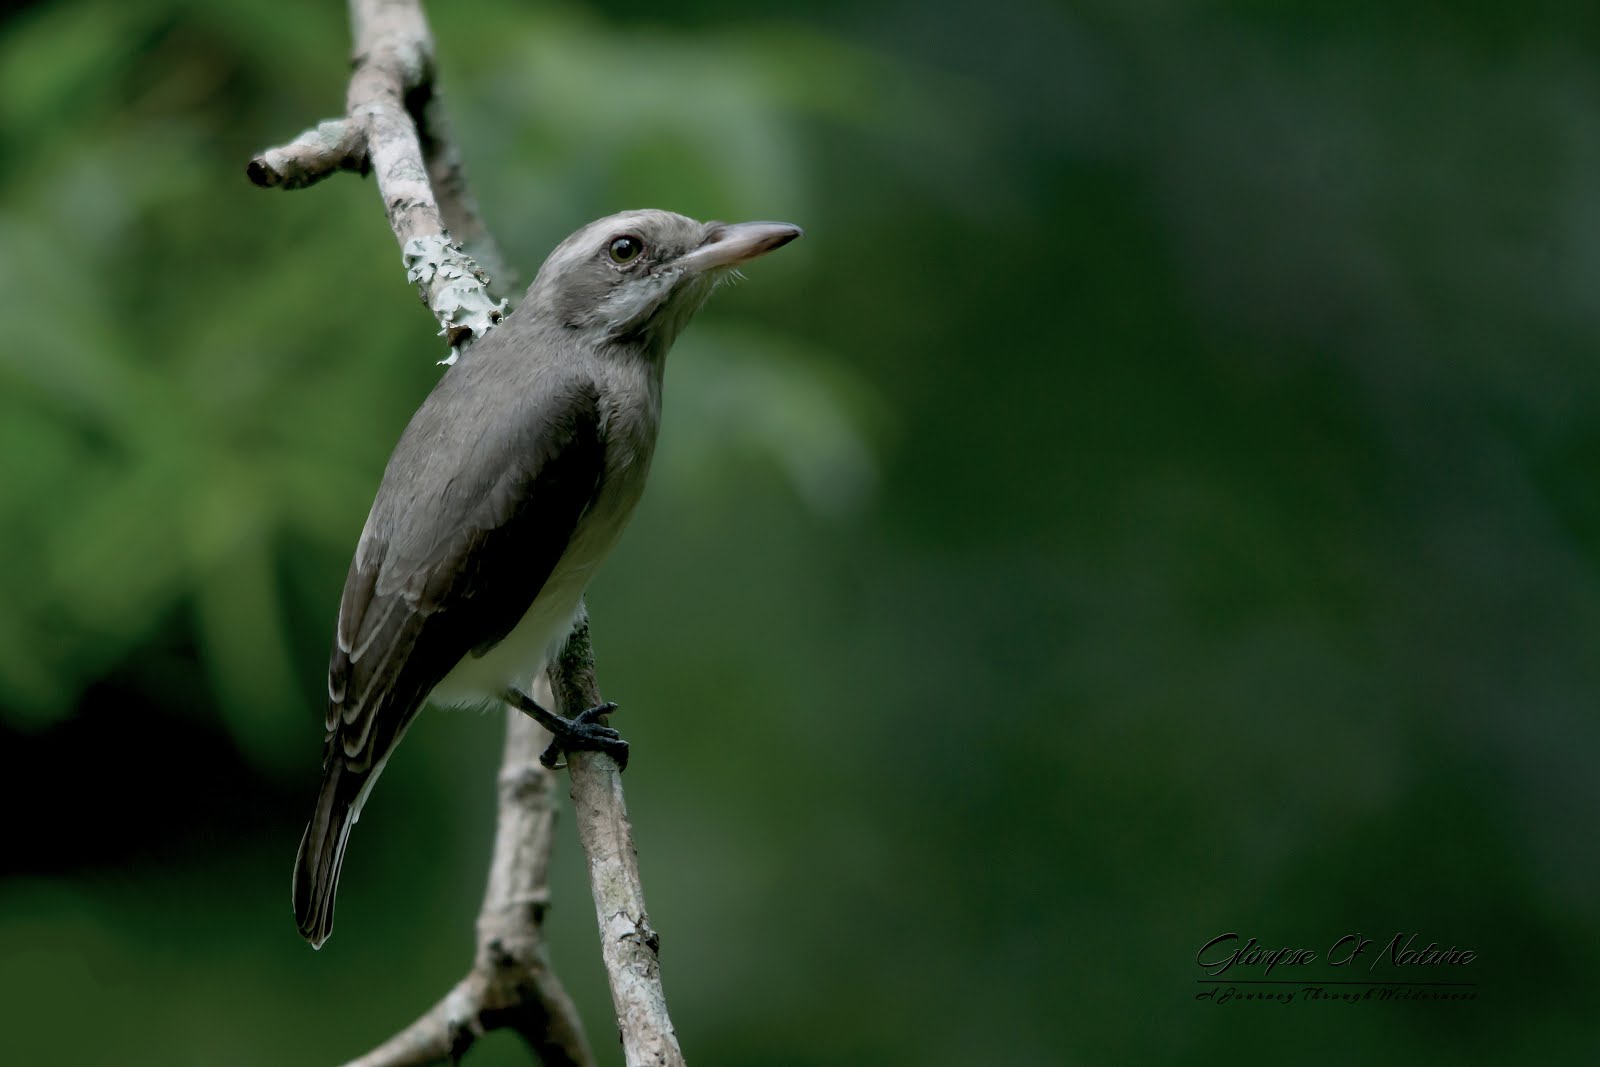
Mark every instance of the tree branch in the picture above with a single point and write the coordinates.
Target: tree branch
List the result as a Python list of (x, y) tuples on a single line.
[(511, 983), (337, 144), (627, 943), (448, 179), (395, 127), (393, 68)]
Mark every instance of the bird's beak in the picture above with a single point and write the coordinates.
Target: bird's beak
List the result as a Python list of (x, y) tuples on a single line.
[(733, 244)]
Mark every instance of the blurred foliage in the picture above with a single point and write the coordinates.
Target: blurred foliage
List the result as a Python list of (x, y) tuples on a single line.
[(223, 360), (1154, 500)]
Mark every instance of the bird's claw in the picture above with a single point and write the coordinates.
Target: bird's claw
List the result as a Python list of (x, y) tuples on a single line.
[(583, 732)]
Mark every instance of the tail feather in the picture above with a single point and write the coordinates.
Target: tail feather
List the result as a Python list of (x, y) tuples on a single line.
[(316, 868)]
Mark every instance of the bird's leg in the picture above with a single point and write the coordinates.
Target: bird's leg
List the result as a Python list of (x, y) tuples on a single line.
[(579, 732)]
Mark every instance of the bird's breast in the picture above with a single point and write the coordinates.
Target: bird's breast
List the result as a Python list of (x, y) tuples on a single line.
[(530, 646)]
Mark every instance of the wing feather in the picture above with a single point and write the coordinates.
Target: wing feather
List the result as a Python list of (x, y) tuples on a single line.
[(441, 572)]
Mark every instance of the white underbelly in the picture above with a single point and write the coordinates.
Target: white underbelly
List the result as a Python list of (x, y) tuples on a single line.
[(535, 641), (517, 660)]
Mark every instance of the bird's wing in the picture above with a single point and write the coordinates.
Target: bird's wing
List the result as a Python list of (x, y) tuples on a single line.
[(452, 557)]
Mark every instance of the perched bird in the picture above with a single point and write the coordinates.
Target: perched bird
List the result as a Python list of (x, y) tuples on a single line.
[(506, 490)]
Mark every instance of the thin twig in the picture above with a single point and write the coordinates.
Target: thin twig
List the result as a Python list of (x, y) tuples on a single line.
[(630, 947), (393, 68), (335, 145), (511, 983), (448, 178)]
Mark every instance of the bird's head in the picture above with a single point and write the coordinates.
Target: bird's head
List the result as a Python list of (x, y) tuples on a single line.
[(639, 276)]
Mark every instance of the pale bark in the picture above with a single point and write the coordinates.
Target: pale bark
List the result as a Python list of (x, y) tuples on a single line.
[(628, 944), (393, 68), (511, 983)]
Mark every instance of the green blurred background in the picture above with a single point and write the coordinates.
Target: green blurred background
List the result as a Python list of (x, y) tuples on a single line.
[(1155, 500)]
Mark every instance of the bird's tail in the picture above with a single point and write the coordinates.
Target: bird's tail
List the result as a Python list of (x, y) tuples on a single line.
[(316, 868)]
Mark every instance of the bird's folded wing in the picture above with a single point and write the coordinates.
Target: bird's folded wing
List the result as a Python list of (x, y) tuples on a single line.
[(471, 519)]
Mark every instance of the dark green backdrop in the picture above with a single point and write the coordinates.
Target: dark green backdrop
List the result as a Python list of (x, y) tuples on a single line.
[(1157, 499)]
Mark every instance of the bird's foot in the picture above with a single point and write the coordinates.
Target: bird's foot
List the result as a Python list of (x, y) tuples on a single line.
[(580, 733), (584, 732)]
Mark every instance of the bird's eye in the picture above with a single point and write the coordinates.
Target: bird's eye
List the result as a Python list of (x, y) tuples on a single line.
[(626, 249)]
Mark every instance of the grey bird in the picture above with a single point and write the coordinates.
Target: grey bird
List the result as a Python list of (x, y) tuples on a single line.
[(505, 492)]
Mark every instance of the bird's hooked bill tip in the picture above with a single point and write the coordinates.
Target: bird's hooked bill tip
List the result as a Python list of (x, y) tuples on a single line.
[(730, 245)]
